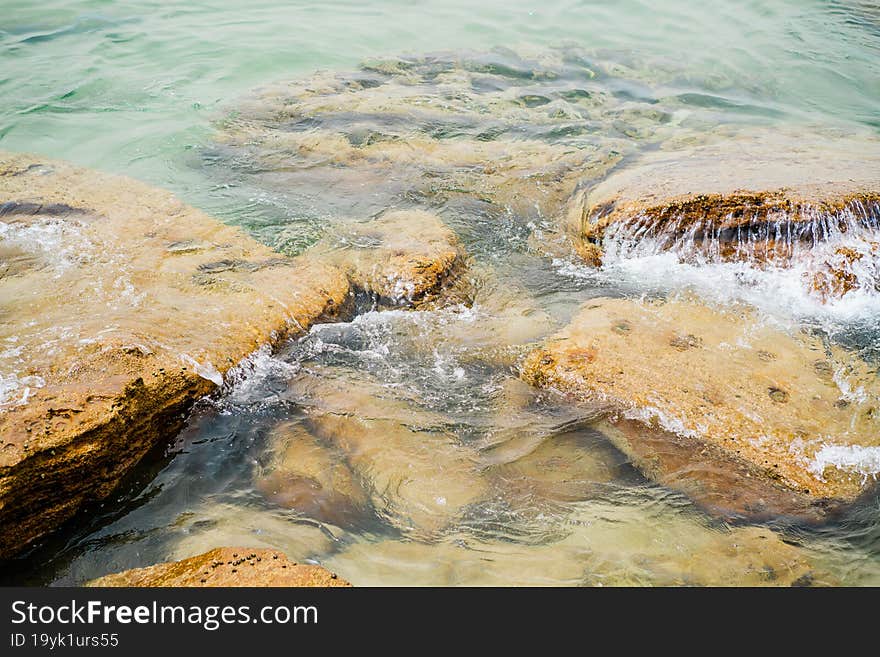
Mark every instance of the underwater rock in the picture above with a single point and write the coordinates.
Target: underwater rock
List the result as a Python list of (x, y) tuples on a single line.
[(568, 467), (418, 474), (723, 485), (759, 196), (403, 258), (725, 389), (119, 306), (440, 130), (605, 545), (310, 478), (234, 522), (227, 566)]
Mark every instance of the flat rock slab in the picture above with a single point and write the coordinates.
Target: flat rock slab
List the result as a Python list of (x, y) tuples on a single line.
[(226, 567), (743, 196), (119, 306), (731, 399)]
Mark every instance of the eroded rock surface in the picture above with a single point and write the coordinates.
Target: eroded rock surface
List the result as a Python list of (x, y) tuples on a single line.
[(226, 567), (404, 258), (751, 402), (760, 196), (119, 306)]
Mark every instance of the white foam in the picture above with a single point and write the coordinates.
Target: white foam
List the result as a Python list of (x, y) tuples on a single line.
[(15, 390), (780, 293), (245, 383), (205, 370), (850, 458), (60, 244)]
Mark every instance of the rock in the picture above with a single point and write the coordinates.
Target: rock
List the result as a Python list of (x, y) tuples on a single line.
[(737, 400), (538, 452), (629, 547), (720, 483), (760, 196), (606, 545), (418, 474), (848, 268), (460, 561), (405, 258), (449, 129), (212, 523), (226, 567), (312, 479), (568, 467), (119, 306)]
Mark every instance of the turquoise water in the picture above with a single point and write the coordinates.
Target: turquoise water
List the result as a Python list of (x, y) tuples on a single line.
[(132, 86), (140, 88)]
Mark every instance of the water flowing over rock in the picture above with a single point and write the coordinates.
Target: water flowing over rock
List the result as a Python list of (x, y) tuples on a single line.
[(419, 475), (310, 478), (471, 131), (404, 258), (763, 197), (226, 567), (723, 397), (606, 546), (119, 306)]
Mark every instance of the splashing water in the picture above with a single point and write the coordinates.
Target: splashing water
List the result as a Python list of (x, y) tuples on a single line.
[(423, 409)]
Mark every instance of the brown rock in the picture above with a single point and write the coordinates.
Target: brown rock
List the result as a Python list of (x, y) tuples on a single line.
[(746, 402), (121, 306), (846, 270), (311, 478), (226, 567), (418, 474), (403, 258), (752, 196)]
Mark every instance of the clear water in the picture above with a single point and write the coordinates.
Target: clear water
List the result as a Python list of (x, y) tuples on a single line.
[(143, 89)]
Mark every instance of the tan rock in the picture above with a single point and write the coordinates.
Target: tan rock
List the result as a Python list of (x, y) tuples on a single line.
[(226, 567), (118, 308), (563, 468), (419, 475), (404, 258), (206, 525), (631, 545), (606, 545), (759, 195), (733, 389), (437, 127), (311, 478)]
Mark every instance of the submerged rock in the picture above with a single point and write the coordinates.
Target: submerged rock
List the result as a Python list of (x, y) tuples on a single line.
[(226, 567), (453, 129), (119, 306), (232, 522), (419, 475), (310, 478), (760, 196), (737, 413), (405, 258), (606, 545)]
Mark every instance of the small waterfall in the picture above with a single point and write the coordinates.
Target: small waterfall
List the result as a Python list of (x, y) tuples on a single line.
[(766, 238)]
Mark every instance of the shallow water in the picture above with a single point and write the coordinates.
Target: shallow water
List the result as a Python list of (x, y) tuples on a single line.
[(466, 475)]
